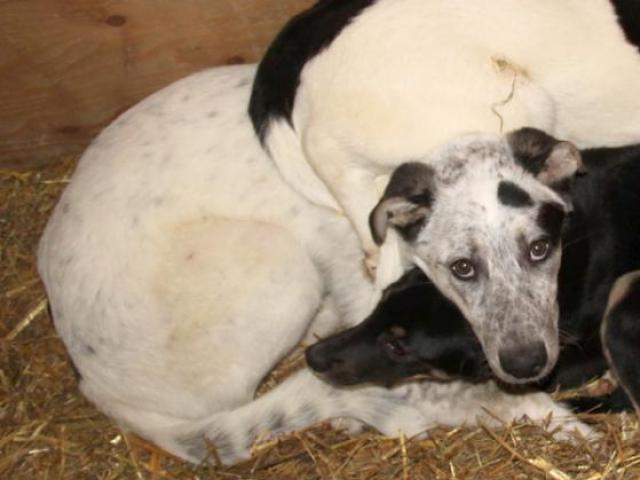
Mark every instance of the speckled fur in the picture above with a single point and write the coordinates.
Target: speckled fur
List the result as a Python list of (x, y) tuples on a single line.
[(513, 303)]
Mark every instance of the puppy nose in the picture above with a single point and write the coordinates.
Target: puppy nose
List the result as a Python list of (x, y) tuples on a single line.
[(524, 361), (318, 359)]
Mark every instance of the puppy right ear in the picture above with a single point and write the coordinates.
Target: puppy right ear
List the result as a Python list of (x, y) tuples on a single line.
[(552, 161), (406, 203)]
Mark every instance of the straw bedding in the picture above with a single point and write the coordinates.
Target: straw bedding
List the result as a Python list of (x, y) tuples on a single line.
[(48, 431)]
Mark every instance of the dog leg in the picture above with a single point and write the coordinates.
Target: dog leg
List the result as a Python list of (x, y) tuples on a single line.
[(299, 402), (621, 334), (353, 184), (460, 403)]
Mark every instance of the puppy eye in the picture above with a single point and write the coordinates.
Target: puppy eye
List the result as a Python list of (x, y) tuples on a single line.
[(394, 347), (463, 269), (539, 249)]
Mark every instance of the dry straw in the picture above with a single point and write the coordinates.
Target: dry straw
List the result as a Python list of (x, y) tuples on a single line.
[(48, 431)]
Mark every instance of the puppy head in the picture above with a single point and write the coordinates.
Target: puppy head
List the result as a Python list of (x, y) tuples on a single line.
[(413, 330), (483, 221)]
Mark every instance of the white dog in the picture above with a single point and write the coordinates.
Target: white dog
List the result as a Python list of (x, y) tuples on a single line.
[(352, 88), (181, 268)]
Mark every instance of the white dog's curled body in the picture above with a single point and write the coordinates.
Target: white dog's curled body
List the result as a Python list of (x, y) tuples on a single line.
[(181, 268)]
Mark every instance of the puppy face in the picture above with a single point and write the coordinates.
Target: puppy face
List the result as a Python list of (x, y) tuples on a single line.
[(483, 221), (414, 330)]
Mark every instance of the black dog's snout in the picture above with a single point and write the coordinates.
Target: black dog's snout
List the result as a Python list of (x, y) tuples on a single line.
[(524, 361), (319, 359)]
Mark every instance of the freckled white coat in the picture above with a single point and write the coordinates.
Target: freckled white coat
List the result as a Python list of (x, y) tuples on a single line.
[(407, 75), (181, 268)]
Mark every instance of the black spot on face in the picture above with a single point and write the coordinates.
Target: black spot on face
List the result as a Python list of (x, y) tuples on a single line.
[(550, 218), (512, 195), (212, 114)]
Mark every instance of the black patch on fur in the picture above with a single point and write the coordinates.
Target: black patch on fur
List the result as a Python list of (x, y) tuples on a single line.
[(302, 38), (531, 148), (550, 218), (512, 195), (412, 181), (628, 12)]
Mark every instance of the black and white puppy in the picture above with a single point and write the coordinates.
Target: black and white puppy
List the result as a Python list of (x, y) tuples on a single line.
[(413, 330), (599, 297)]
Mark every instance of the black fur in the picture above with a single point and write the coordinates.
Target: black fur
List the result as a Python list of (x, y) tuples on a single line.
[(438, 337), (550, 219), (512, 195), (413, 183), (622, 341), (531, 148), (302, 38), (628, 12), (601, 242)]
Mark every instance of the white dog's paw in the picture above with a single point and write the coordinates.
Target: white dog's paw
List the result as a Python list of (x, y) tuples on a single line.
[(570, 429), (566, 426)]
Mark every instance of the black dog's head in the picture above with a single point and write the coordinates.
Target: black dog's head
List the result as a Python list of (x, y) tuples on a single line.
[(414, 330)]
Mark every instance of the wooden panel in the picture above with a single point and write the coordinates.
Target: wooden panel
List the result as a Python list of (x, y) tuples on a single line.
[(68, 67)]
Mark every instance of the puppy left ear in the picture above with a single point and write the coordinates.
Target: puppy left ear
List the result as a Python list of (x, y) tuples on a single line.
[(552, 161), (406, 203)]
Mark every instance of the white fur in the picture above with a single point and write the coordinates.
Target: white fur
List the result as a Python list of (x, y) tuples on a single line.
[(181, 268), (407, 75)]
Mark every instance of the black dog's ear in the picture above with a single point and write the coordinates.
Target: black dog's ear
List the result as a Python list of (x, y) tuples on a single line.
[(406, 202), (552, 161)]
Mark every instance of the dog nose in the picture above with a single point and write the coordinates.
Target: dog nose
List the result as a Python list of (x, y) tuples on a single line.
[(318, 359), (525, 361)]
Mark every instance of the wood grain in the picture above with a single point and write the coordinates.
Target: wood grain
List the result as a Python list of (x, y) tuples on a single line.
[(68, 67)]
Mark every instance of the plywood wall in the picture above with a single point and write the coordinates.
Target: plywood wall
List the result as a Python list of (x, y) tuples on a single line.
[(68, 67)]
